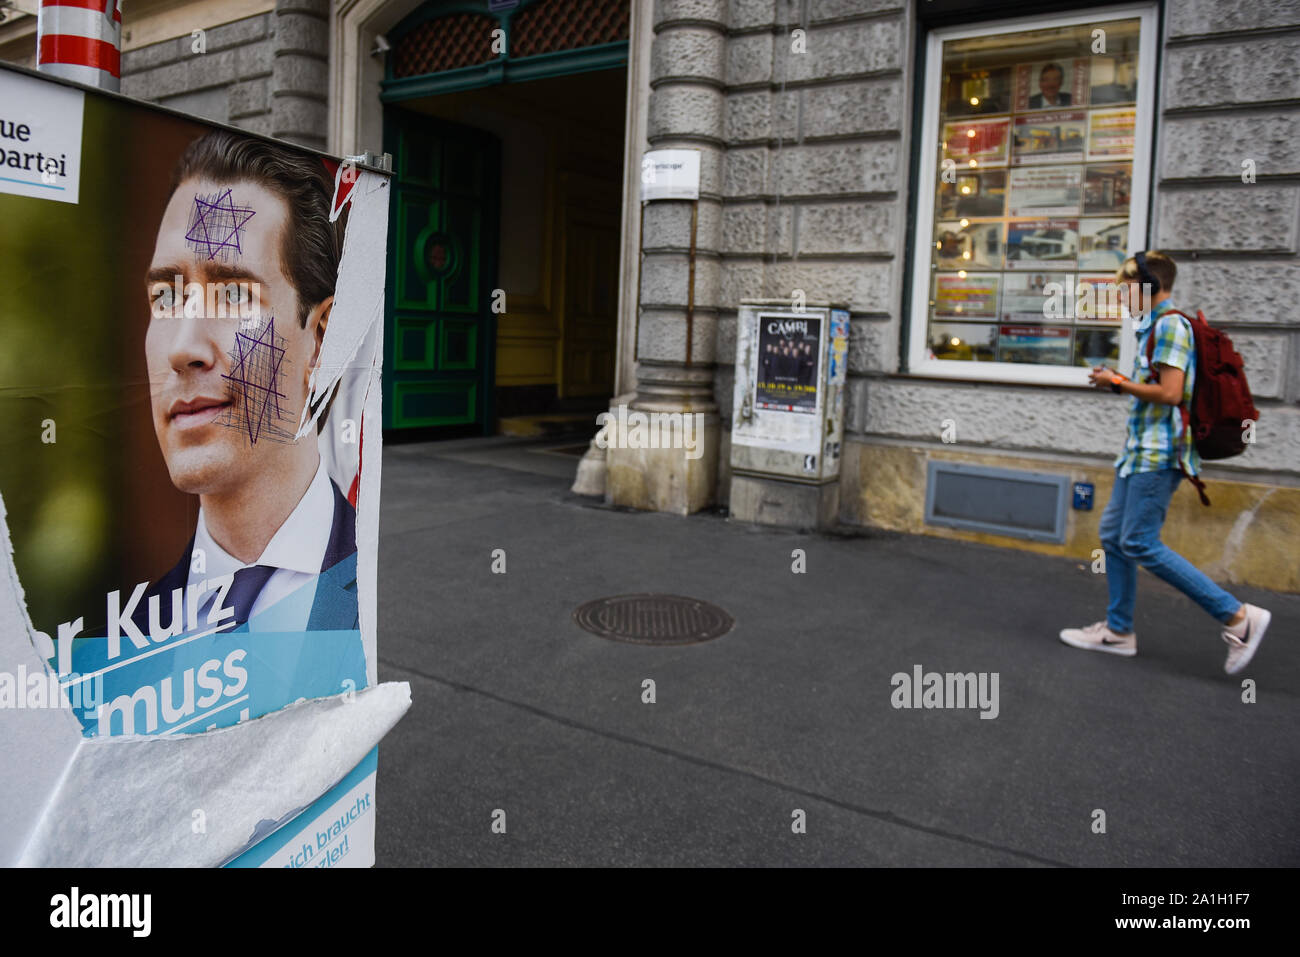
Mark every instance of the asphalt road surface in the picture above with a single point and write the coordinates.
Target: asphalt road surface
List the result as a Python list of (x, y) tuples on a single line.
[(528, 742)]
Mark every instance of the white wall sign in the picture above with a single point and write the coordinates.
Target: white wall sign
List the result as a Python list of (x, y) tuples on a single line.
[(670, 174), (40, 138)]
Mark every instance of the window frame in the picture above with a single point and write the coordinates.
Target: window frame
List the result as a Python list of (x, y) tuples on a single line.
[(923, 240)]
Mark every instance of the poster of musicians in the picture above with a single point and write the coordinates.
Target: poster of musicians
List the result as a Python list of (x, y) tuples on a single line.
[(787, 364)]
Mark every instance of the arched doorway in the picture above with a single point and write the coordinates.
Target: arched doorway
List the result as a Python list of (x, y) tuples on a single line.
[(507, 132)]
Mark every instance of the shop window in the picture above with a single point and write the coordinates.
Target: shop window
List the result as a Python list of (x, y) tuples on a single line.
[(1033, 188)]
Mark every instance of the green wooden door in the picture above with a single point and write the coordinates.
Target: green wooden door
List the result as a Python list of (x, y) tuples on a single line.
[(439, 340)]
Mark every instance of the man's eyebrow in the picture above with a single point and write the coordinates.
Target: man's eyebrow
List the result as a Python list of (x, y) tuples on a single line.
[(213, 271), (163, 273), (224, 272)]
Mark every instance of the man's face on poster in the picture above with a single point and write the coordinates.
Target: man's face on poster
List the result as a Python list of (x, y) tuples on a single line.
[(1049, 82), (211, 413)]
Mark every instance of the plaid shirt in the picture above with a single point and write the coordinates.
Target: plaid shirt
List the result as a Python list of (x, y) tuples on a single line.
[(1155, 431)]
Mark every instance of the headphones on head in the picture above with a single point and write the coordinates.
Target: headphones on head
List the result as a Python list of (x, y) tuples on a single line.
[(1144, 273)]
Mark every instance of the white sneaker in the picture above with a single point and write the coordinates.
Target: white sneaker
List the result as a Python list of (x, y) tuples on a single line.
[(1241, 650), (1099, 637)]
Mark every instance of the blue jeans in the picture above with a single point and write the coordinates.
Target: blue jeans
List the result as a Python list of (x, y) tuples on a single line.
[(1130, 534)]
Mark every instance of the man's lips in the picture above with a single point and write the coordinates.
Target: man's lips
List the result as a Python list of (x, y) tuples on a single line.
[(196, 412)]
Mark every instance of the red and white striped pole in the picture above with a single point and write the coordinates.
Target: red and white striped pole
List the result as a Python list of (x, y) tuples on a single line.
[(81, 40)]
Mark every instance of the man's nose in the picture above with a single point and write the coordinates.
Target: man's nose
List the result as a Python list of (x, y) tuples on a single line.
[(193, 346)]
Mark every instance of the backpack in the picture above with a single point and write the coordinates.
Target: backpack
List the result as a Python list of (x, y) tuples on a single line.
[(1221, 401)]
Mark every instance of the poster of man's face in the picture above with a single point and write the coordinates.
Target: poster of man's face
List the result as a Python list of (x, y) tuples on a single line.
[(226, 392), (1051, 84), (165, 477), (1050, 79), (247, 241)]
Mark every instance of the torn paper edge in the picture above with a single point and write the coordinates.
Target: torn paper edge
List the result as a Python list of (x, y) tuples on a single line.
[(37, 746), (148, 819), (358, 296)]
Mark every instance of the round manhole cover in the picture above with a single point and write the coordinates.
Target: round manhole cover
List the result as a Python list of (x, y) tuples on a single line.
[(654, 619)]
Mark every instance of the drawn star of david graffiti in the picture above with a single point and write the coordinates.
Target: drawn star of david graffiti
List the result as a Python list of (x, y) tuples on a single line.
[(256, 378), (216, 226)]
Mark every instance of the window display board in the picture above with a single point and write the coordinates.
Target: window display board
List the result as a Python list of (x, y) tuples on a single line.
[(1034, 190)]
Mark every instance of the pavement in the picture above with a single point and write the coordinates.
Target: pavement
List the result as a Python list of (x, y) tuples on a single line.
[(521, 718)]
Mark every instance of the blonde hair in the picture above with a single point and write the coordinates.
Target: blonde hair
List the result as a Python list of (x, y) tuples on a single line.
[(1160, 266)]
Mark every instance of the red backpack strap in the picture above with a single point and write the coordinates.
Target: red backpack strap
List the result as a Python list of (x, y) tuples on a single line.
[(1200, 486), (1182, 409)]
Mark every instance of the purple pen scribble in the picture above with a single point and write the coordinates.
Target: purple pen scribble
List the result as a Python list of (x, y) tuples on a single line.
[(256, 377), (215, 226)]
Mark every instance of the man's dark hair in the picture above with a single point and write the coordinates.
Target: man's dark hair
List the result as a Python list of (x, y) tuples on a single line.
[(1052, 66), (311, 245)]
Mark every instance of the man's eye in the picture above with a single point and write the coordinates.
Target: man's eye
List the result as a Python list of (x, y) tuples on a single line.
[(243, 295), (163, 297)]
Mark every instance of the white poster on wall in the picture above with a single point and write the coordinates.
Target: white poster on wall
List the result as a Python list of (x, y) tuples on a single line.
[(670, 174), (40, 138)]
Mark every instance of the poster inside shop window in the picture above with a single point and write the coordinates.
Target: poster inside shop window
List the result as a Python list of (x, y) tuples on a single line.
[(788, 357), (190, 484)]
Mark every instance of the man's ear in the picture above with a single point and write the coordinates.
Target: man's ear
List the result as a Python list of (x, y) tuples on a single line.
[(318, 321)]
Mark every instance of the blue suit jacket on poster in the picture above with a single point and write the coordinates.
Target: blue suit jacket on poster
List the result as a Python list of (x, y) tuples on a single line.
[(335, 605)]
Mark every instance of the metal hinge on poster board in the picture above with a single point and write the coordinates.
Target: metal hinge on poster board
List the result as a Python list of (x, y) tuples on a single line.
[(382, 162)]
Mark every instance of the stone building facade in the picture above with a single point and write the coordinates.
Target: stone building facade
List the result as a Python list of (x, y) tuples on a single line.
[(258, 64), (266, 73), (810, 183)]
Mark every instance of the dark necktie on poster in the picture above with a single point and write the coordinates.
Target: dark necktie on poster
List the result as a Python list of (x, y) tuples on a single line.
[(248, 584)]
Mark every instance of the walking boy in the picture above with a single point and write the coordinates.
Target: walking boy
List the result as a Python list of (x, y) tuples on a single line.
[(1156, 455)]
